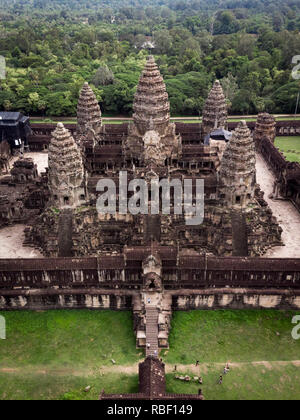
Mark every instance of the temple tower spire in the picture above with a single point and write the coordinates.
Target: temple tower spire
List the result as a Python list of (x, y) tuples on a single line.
[(151, 133), (88, 111), (66, 173), (238, 171), (215, 112), (265, 127), (151, 101)]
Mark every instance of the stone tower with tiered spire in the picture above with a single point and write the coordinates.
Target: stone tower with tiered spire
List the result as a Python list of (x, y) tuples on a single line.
[(88, 112), (66, 173), (237, 177), (215, 112), (265, 127), (152, 114)]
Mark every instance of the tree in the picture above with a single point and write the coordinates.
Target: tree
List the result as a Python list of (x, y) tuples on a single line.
[(103, 77), (163, 41), (230, 87)]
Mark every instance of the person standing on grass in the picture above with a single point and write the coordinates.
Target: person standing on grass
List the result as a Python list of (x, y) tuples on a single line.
[(221, 380), (197, 363)]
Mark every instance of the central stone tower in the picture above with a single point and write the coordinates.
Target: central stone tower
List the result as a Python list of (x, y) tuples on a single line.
[(152, 114)]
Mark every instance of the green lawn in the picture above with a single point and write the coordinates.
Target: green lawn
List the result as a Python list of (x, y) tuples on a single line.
[(290, 146), (239, 336), (57, 354), (53, 386), (68, 339), (249, 382)]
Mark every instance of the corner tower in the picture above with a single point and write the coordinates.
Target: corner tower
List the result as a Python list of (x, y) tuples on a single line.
[(66, 173), (238, 172), (88, 111), (265, 127), (215, 112)]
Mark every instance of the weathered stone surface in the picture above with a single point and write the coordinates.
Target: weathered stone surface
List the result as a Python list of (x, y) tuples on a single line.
[(151, 137), (237, 172), (88, 112), (265, 127), (66, 173)]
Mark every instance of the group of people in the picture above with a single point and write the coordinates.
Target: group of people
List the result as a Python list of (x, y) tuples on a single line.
[(226, 370)]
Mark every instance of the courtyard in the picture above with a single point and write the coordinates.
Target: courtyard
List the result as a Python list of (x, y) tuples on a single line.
[(58, 354)]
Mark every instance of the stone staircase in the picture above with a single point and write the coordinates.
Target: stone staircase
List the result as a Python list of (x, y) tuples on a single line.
[(151, 331)]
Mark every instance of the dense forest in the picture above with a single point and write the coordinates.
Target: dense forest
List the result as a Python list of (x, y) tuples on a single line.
[(52, 46)]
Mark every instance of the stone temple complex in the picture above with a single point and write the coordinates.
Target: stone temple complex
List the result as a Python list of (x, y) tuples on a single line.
[(149, 262), (152, 150)]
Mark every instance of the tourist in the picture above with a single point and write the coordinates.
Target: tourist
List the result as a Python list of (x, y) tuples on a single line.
[(221, 380), (201, 396)]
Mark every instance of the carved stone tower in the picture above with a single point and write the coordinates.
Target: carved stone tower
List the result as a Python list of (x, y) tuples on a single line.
[(215, 112), (265, 127), (88, 112), (237, 178), (66, 173), (152, 113)]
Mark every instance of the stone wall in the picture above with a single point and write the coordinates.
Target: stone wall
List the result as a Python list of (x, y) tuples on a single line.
[(235, 299), (115, 282), (287, 173)]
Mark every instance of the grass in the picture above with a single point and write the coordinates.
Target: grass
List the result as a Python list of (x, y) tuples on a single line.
[(39, 386), (290, 147), (55, 339), (239, 336), (55, 355), (249, 382)]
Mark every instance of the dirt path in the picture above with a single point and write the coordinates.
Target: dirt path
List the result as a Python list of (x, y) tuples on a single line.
[(133, 369), (286, 214)]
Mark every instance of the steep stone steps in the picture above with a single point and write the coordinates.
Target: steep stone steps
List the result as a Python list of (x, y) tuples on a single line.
[(239, 234), (65, 242), (151, 331)]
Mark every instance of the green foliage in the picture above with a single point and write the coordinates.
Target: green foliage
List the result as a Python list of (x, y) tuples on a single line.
[(52, 47)]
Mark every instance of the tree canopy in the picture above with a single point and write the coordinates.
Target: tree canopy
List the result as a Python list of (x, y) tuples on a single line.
[(51, 47)]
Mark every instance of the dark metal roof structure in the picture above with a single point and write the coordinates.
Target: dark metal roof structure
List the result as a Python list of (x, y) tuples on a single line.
[(219, 134)]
